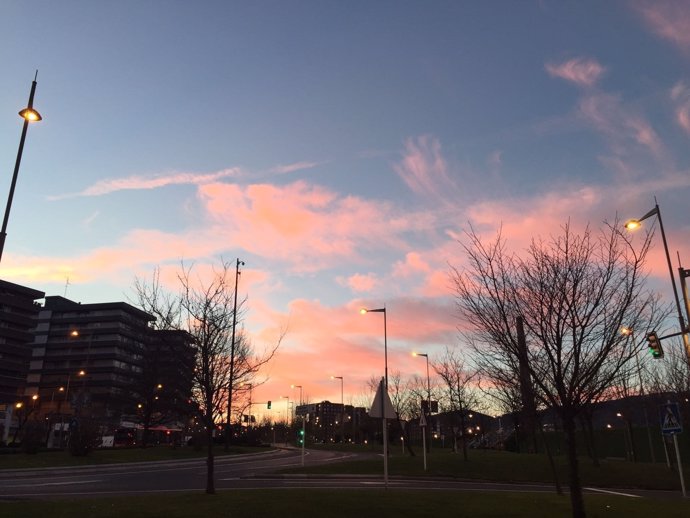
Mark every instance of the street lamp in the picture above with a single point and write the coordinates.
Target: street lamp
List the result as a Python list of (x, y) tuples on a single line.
[(428, 391), (633, 224), (342, 405), (287, 410), (304, 439), (29, 115), (300, 391), (364, 311)]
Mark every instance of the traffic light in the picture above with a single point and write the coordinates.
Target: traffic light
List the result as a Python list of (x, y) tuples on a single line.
[(300, 437), (268, 405), (655, 345)]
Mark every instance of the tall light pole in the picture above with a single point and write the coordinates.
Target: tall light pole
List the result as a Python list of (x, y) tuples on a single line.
[(29, 115), (632, 224), (304, 420), (342, 405), (364, 311), (232, 354), (428, 391)]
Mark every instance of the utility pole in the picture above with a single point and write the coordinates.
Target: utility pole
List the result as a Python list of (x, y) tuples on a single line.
[(232, 356)]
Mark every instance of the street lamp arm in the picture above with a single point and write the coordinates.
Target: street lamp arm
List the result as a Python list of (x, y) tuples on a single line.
[(654, 211)]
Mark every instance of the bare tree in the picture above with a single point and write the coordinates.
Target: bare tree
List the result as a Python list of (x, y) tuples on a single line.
[(460, 392), (574, 293), (205, 309)]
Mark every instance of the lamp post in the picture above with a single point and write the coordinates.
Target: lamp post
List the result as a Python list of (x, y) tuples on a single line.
[(342, 406), (232, 355), (29, 115), (66, 391), (428, 391), (632, 224), (287, 418), (304, 438), (364, 311)]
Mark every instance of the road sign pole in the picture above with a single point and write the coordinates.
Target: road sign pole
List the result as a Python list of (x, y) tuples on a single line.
[(680, 466), (384, 391), (422, 425), (424, 445)]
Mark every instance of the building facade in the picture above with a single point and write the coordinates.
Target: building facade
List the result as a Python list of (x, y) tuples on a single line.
[(18, 309), (87, 359)]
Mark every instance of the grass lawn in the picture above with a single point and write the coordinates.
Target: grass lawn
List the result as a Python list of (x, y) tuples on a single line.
[(507, 466), (113, 456), (345, 503)]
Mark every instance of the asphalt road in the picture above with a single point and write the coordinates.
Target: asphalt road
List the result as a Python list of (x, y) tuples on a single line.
[(232, 472)]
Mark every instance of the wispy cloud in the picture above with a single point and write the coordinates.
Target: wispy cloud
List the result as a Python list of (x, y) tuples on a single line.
[(622, 126), (581, 71), (140, 182), (669, 19), (424, 169), (291, 168), (681, 95)]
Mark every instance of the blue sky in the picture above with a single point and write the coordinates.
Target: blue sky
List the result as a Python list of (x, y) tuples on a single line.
[(338, 148)]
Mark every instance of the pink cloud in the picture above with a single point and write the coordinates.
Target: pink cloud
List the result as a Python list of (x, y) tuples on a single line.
[(668, 19), (413, 264), (581, 71), (424, 169), (360, 282), (305, 225)]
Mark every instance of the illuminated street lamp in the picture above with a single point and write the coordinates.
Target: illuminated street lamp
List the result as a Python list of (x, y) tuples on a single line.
[(29, 115), (633, 224), (364, 311)]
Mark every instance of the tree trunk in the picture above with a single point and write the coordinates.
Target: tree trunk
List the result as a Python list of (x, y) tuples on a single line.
[(633, 450), (552, 464), (210, 483), (576, 498), (463, 434)]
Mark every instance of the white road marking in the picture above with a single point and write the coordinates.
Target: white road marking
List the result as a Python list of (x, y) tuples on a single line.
[(57, 483), (611, 492)]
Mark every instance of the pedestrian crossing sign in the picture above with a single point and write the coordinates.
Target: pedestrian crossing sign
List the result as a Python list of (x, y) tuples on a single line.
[(670, 419)]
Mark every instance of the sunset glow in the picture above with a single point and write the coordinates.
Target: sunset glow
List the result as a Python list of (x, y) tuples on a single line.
[(343, 153)]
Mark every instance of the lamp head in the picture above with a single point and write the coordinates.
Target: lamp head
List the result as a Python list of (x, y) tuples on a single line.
[(633, 224), (30, 115), (626, 331)]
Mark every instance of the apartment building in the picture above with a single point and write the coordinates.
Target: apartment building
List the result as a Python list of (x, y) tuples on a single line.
[(88, 359)]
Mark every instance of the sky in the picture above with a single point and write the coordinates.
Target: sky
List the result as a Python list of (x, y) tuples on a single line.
[(341, 149)]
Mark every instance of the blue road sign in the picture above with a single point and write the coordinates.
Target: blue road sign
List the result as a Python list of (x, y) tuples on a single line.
[(669, 415)]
